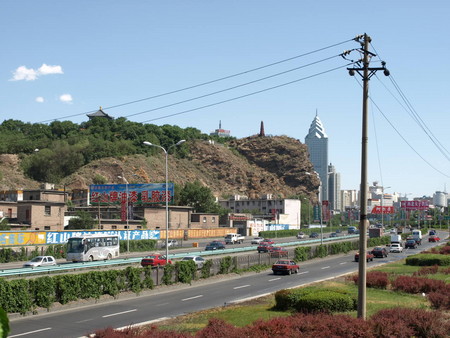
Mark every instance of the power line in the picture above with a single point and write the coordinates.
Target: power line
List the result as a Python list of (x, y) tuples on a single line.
[(246, 95)]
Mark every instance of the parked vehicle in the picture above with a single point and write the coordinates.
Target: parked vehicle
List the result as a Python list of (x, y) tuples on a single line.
[(264, 247), (417, 236), (40, 261), (396, 247), (155, 260), (234, 238), (379, 252), (285, 266), (410, 243), (198, 260), (369, 256), (301, 235), (314, 235), (257, 240), (215, 246), (278, 251), (434, 238)]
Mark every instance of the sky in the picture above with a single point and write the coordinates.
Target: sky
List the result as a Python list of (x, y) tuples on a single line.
[(63, 59)]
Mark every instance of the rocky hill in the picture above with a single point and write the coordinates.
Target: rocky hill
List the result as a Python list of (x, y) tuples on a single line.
[(250, 166)]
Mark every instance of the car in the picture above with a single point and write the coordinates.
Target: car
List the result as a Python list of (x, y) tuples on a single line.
[(379, 252), (432, 232), (434, 238), (40, 261), (351, 229), (285, 266), (257, 240), (410, 244), (334, 234), (393, 231), (313, 235), (369, 256), (338, 231), (396, 247), (198, 260), (215, 245), (155, 260), (277, 251), (267, 241), (171, 243), (264, 247), (301, 235)]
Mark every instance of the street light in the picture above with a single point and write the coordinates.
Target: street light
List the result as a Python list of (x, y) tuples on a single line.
[(166, 152), (382, 212), (128, 227)]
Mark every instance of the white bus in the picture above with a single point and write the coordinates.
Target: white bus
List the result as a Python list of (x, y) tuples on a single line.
[(92, 247)]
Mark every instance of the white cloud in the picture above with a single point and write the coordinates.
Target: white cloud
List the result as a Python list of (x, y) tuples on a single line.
[(40, 99), (30, 74), (24, 73), (66, 98), (46, 69)]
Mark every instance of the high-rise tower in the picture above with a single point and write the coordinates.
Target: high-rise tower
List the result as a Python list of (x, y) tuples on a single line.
[(317, 142)]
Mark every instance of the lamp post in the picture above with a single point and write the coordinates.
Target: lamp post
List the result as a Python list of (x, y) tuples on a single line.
[(382, 211), (128, 226), (166, 152)]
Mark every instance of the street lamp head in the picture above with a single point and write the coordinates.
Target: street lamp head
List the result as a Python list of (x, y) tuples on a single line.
[(148, 143), (180, 142)]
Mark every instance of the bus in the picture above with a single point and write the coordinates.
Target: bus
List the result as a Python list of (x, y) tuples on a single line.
[(86, 248)]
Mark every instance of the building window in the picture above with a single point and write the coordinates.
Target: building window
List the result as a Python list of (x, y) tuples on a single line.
[(213, 219), (47, 227), (114, 227), (204, 219), (47, 210)]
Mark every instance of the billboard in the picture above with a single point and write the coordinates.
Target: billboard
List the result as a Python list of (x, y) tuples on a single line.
[(383, 210), (415, 205), (138, 194)]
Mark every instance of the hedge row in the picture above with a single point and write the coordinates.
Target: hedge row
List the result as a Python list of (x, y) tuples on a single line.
[(428, 260), (294, 232)]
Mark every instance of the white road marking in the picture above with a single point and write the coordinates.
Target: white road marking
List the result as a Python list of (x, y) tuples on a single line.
[(240, 287), (271, 280), (119, 313), (301, 273), (191, 298), (30, 332), (83, 321), (161, 304), (142, 323), (343, 263), (325, 267)]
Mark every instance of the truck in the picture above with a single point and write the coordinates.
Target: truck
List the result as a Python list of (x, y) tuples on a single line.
[(234, 238), (417, 235), (395, 238), (375, 232)]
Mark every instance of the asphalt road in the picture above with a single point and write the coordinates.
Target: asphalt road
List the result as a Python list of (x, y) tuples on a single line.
[(167, 302)]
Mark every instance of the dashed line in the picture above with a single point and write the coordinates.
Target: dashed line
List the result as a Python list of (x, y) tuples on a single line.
[(343, 263), (301, 273), (192, 298), (325, 267), (142, 323), (119, 313), (30, 332), (273, 279), (240, 287)]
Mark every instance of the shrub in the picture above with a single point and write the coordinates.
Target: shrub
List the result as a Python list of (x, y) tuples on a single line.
[(133, 279), (417, 284), (43, 290), (4, 324), (168, 274), (325, 301), (428, 260), (112, 282), (402, 322), (206, 269), (148, 280), (440, 299), (374, 279), (321, 251), (67, 288), (226, 265), (185, 270), (91, 285), (219, 328), (427, 270), (302, 253), (283, 300)]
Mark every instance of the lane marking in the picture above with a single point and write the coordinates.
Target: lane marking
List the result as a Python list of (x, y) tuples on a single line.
[(301, 273), (142, 323), (343, 263), (325, 267), (271, 280), (240, 287), (191, 298), (119, 313), (83, 321), (162, 304), (30, 332)]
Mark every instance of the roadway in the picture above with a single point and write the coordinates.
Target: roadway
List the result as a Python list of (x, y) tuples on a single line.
[(169, 302)]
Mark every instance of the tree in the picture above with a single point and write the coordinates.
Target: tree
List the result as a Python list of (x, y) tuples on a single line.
[(83, 220), (199, 197)]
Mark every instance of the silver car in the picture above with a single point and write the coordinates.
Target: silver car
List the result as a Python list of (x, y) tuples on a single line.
[(40, 261), (257, 240), (198, 260)]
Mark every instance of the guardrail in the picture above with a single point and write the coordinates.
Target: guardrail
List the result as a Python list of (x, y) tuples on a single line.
[(96, 264)]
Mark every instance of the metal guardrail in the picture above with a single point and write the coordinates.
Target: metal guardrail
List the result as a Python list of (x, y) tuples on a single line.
[(95, 264)]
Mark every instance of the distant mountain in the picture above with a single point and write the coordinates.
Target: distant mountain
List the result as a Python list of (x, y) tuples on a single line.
[(250, 166)]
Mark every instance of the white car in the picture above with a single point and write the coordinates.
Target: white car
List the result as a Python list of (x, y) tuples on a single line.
[(395, 247), (198, 260), (172, 243), (257, 240), (40, 261), (301, 235)]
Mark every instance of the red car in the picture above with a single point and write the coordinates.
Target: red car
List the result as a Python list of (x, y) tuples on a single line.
[(264, 247), (369, 256), (278, 251), (285, 266), (434, 238), (267, 241), (154, 260)]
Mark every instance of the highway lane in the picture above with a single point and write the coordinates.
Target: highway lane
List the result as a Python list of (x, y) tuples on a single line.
[(168, 302)]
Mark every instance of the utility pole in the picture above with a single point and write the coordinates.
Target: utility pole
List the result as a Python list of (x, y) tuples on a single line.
[(366, 73)]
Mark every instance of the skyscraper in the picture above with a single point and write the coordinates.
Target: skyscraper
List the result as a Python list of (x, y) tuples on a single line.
[(317, 142), (334, 188)]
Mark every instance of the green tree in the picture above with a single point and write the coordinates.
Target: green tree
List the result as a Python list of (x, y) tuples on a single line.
[(199, 197), (83, 220), (4, 224)]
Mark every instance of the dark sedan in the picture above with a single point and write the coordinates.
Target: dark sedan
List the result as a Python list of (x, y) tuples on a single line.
[(314, 235), (379, 252), (215, 246)]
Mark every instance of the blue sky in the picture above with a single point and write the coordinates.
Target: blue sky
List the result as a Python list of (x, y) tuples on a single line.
[(64, 58)]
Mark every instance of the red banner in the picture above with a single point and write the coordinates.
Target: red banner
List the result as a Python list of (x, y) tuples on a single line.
[(415, 205), (325, 211), (383, 210)]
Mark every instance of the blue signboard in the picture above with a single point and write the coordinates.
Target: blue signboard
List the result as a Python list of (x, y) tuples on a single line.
[(55, 237), (134, 194)]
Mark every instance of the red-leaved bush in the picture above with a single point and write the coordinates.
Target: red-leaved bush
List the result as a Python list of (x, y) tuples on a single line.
[(374, 279), (402, 322), (219, 328), (427, 270), (417, 284), (440, 299)]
